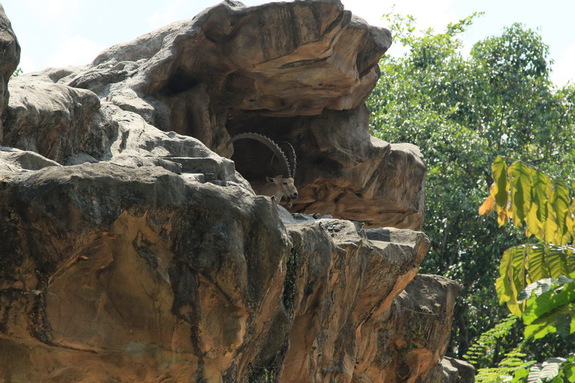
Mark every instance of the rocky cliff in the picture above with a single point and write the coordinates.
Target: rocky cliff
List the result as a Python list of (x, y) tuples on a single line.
[(133, 247), (9, 58)]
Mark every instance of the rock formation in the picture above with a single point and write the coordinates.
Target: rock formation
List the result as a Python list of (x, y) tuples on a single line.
[(133, 247), (9, 58), (296, 72)]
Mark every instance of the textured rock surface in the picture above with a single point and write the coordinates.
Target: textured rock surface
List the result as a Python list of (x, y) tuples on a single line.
[(296, 72), (343, 300), (452, 371), (156, 276), (9, 58), (165, 275), (132, 250)]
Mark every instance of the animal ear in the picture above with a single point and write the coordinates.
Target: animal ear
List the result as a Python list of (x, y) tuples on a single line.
[(270, 180)]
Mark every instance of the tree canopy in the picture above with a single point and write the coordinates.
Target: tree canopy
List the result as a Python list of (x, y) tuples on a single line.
[(463, 110)]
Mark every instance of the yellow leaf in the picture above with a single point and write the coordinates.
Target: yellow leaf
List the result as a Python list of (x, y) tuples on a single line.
[(500, 189), (488, 206), (502, 217), (534, 225)]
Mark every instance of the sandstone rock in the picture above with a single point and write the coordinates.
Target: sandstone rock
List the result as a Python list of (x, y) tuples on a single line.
[(342, 290), (147, 275), (51, 119), (425, 309), (19, 160), (132, 249), (72, 126), (107, 261), (347, 173), (452, 370), (296, 72), (9, 59)]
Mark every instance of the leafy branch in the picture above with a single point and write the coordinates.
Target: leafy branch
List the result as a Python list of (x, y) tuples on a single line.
[(537, 280)]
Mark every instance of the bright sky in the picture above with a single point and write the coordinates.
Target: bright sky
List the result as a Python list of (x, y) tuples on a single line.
[(59, 33)]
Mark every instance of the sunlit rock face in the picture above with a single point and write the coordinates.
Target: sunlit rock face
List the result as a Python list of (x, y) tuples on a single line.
[(296, 72), (132, 244)]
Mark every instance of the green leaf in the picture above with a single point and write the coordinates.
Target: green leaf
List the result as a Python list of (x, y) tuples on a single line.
[(487, 342), (520, 190), (557, 262), (549, 295), (550, 307), (512, 277), (534, 225), (520, 375), (538, 287), (541, 190), (500, 192), (539, 329), (563, 325), (550, 225), (546, 371), (536, 264), (569, 369), (560, 205)]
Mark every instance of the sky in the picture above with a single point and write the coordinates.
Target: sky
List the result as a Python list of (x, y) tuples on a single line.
[(60, 33)]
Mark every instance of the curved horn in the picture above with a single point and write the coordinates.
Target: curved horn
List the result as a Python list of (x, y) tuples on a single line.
[(270, 144), (292, 157)]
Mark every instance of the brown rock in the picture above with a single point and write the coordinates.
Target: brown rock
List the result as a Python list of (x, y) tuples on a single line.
[(451, 370), (345, 172), (130, 251), (145, 274), (343, 287), (107, 262), (296, 72), (51, 119), (9, 59), (407, 336)]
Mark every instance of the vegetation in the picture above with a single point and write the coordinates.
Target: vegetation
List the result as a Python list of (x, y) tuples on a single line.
[(17, 72), (536, 279), (464, 111)]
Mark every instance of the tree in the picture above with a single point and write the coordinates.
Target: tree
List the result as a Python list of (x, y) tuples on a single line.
[(537, 279), (462, 111)]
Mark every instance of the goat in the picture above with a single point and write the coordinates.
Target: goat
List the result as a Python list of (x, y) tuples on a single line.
[(280, 186)]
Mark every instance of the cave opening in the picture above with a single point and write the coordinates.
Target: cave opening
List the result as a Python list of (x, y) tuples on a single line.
[(254, 160)]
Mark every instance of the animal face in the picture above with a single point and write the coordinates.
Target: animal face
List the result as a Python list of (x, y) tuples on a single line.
[(281, 187)]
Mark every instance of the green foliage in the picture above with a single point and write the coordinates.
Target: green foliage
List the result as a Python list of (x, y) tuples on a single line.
[(507, 369), (529, 197), (17, 72), (552, 370), (513, 367), (535, 280), (290, 287), (464, 111), (484, 350), (257, 374)]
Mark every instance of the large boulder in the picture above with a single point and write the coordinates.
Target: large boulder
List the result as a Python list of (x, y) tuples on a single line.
[(296, 72), (116, 272), (9, 59), (132, 248), (451, 370), (133, 273)]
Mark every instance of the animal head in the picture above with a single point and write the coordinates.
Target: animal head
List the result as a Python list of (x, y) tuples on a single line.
[(284, 186)]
